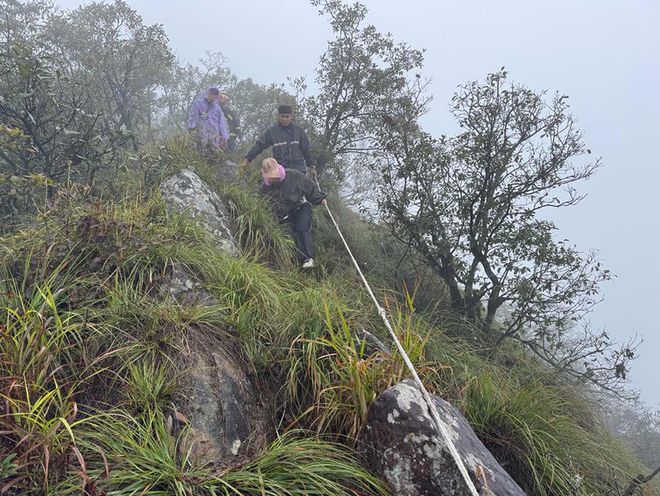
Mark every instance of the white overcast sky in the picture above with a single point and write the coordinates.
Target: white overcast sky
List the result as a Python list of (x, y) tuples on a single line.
[(604, 54)]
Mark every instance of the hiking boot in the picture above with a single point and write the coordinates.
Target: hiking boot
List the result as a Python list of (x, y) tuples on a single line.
[(308, 264)]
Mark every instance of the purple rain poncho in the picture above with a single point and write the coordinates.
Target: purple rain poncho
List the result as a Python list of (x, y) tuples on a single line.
[(209, 121)]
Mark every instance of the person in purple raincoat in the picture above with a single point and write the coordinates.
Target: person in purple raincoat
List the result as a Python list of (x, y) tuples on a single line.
[(207, 121)]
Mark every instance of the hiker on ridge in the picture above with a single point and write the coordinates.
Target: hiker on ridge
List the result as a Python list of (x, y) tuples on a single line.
[(292, 194), (233, 122), (289, 142), (207, 122)]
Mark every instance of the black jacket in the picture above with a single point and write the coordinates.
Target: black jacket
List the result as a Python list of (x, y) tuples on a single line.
[(233, 122), (291, 193), (290, 147)]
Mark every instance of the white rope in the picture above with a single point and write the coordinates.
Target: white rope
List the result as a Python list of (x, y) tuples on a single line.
[(427, 397)]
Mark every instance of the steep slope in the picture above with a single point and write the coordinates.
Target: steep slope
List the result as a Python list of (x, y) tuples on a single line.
[(139, 355)]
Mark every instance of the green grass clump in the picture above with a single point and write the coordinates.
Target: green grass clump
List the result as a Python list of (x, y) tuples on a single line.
[(332, 379), (150, 386), (128, 455), (298, 465), (535, 430), (544, 431), (48, 360), (157, 322), (256, 229)]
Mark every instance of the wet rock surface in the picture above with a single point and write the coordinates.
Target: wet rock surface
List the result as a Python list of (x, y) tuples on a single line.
[(402, 444)]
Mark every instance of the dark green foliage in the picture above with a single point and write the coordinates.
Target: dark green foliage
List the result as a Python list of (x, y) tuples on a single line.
[(472, 206)]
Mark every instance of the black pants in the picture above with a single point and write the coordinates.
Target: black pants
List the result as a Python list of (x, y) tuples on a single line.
[(300, 224)]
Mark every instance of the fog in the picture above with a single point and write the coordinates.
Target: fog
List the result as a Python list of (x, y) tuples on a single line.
[(604, 55)]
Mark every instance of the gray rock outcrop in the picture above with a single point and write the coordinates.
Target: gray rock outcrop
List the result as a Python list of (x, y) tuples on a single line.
[(402, 444), (227, 422), (225, 417), (185, 191)]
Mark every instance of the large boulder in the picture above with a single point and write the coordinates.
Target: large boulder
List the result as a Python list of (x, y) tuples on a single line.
[(185, 191), (403, 444), (225, 417), (227, 421)]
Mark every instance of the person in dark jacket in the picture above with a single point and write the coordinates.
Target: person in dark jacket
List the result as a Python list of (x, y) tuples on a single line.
[(289, 144), (233, 122), (292, 194)]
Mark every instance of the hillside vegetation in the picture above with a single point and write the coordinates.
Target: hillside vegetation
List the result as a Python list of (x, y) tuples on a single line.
[(96, 350), (89, 368)]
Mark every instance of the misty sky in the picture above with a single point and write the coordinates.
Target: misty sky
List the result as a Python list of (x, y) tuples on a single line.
[(604, 54)]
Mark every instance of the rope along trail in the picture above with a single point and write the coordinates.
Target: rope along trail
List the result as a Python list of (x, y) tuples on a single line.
[(427, 397)]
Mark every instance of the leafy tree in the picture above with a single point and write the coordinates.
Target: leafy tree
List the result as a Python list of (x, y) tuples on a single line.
[(56, 113), (362, 76), (123, 60), (53, 129), (21, 22), (256, 105), (473, 206)]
